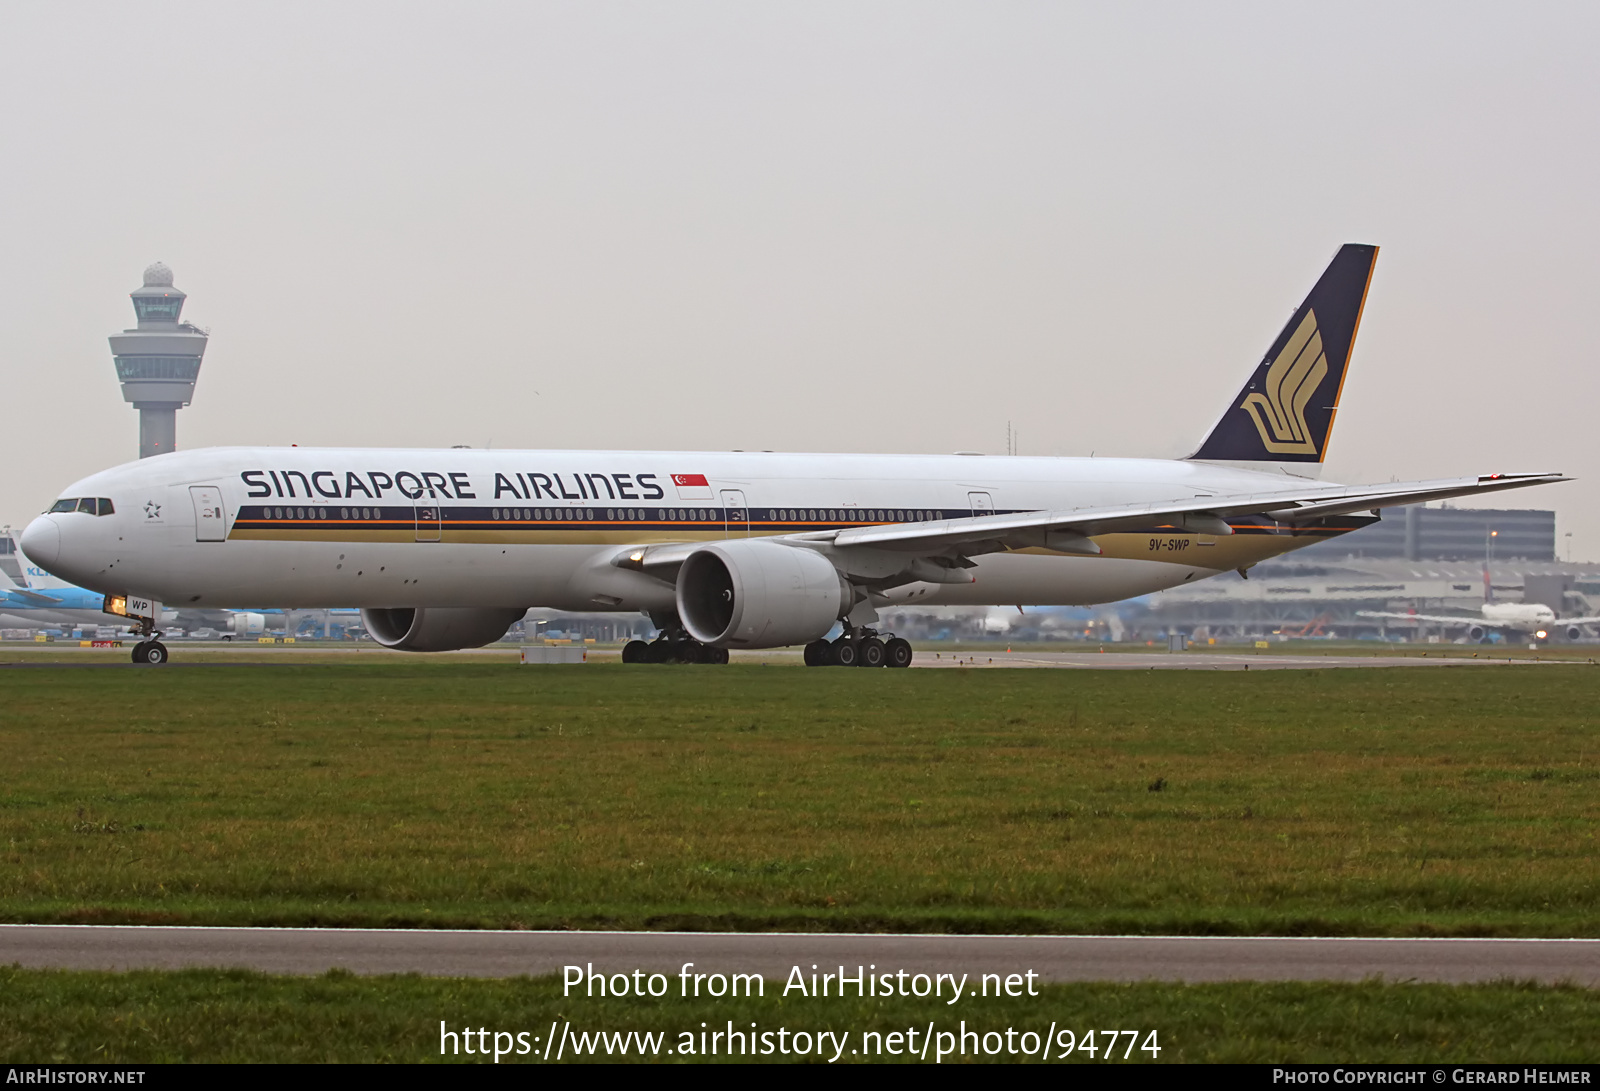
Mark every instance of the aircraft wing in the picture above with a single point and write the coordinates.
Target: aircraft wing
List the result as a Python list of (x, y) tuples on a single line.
[(1203, 514), (31, 598), (1434, 619), (1576, 621), (1070, 530), (657, 559)]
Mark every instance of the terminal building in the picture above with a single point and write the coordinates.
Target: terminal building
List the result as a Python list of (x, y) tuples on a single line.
[(1428, 559), (1418, 533)]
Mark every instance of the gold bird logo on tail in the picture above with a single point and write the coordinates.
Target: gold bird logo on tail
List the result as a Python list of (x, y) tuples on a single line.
[(1280, 411)]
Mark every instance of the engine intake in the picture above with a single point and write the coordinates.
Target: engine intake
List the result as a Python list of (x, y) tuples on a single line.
[(758, 594), (438, 629)]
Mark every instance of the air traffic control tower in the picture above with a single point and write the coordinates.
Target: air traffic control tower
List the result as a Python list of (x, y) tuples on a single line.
[(158, 362)]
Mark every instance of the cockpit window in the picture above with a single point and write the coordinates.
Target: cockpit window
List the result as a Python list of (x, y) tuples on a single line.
[(91, 505)]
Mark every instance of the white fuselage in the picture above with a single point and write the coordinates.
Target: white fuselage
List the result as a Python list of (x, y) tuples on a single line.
[(1521, 616), (307, 527)]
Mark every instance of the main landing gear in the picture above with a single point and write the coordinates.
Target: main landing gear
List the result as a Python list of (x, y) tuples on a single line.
[(674, 645), (859, 648)]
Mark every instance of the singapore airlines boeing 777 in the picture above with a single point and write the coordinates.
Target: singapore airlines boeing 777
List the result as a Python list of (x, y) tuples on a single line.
[(444, 549)]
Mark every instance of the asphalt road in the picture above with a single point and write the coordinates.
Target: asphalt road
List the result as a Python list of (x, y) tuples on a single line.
[(773, 955)]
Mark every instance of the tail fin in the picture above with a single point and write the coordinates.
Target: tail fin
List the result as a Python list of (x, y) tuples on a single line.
[(37, 578), (1285, 412)]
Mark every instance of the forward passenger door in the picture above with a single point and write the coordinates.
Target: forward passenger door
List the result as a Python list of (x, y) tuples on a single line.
[(210, 517)]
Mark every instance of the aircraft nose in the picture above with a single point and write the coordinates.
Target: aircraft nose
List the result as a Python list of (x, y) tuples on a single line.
[(41, 542)]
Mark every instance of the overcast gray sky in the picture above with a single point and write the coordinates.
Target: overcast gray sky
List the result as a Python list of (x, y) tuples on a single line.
[(808, 226)]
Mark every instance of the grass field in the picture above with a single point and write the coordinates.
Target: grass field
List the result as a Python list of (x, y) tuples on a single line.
[(216, 1015), (460, 792)]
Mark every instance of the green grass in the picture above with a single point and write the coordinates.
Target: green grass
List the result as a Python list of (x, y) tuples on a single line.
[(232, 1015), (470, 792)]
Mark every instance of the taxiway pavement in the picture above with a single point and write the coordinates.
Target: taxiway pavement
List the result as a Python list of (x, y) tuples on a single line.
[(773, 955), (1196, 661)]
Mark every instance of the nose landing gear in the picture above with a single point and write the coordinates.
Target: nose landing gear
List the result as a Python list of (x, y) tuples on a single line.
[(149, 651)]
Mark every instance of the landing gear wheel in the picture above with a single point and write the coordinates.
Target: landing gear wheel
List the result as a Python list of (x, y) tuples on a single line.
[(657, 651), (845, 652), (873, 652), (718, 656), (898, 652), (818, 653), (140, 650), (690, 651), (636, 651), (151, 652)]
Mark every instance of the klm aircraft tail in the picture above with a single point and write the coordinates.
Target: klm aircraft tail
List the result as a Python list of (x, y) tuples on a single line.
[(1285, 412)]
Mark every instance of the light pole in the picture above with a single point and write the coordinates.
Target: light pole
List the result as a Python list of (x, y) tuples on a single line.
[(1488, 563)]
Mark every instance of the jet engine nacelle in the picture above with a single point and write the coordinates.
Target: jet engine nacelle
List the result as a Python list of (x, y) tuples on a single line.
[(247, 624), (1574, 632), (438, 629), (1476, 632), (759, 594)]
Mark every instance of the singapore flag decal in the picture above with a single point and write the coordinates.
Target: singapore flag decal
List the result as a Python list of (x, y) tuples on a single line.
[(692, 486)]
